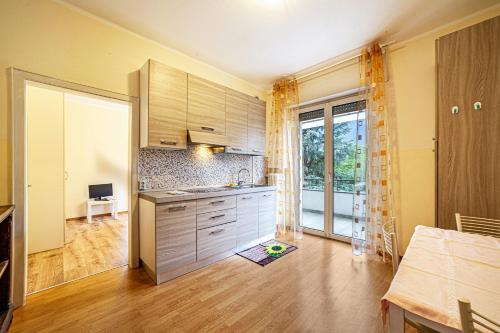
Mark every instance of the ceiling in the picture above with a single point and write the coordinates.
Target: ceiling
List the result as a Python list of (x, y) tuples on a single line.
[(262, 40)]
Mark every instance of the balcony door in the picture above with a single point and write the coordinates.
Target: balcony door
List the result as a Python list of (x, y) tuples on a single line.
[(333, 161)]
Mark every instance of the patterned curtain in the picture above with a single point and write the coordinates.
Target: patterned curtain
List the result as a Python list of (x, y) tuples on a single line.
[(283, 164), (373, 207)]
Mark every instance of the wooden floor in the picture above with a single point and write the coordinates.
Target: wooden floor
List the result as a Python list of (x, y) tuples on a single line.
[(318, 288), (90, 249)]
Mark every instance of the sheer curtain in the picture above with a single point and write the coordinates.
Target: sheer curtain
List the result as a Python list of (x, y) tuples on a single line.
[(283, 150), (374, 197)]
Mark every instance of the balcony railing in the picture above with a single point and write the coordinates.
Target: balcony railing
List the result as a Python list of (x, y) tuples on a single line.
[(318, 184)]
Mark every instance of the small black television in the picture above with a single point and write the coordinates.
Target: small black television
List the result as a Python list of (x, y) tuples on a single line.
[(100, 191)]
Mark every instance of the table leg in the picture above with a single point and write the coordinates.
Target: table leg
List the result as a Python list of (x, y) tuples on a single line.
[(89, 214), (115, 215), (396, 319)]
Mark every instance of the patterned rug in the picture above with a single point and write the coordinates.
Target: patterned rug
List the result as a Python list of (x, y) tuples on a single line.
[(267, 252)]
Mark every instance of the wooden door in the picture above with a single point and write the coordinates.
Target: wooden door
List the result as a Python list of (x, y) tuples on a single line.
[(45, 157), (256, 126), (236, 121), (166, 98), (206, 106), (468, 160)]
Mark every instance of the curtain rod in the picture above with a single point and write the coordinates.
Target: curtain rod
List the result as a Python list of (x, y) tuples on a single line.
[(339, 62)]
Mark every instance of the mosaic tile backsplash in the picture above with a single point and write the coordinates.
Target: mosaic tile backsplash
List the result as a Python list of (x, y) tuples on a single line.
[(196, 166)]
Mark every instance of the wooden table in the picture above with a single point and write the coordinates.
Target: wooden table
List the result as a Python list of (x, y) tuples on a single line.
[(439, 267)]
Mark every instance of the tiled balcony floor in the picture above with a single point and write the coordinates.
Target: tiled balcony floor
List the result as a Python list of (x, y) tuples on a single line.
[(341, 225)]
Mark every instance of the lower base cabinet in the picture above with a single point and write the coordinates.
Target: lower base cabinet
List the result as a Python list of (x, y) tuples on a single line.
[(179, 237)]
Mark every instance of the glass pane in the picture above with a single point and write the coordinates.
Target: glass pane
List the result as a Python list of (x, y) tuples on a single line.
[(348, 130), (312, 136)]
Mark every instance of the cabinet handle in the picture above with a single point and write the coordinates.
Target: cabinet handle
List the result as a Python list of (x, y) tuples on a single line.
[(177, 208), (245, 198), (267, 195), (169, 143), (256, 150), (210, 129), (216, 231), (217, 202), (236, 149), (217, 216)]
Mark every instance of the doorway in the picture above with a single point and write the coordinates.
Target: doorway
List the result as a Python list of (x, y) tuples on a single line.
[(333, 167), (88, 138), (19, 80)]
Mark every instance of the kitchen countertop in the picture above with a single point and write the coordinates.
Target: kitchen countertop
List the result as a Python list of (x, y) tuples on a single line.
[(160, 196)]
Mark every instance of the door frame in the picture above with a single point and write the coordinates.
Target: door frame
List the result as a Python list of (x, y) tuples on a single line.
[(18, 79), (328, 183)]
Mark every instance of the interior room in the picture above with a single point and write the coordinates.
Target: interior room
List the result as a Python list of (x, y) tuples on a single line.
[(250, 166), (71, 235)]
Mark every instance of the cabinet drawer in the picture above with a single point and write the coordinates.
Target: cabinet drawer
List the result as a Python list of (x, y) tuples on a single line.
[(211, 219), (216, 240), (267, 200), (215, 204), (175, 242), (176, 209)]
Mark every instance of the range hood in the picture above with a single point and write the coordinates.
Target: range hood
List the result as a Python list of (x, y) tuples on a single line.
[(208, 139)]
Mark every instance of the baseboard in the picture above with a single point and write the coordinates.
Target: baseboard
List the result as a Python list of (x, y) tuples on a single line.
[(95, 215)]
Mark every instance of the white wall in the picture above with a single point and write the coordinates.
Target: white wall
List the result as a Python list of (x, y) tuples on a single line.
[(96, 150)]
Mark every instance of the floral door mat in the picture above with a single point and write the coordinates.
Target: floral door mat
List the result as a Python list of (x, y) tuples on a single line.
[(267, 252)]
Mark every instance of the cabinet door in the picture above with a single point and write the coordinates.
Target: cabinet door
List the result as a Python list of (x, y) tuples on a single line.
[(256, 127), (175, 235), (216, 240), (468, 172), (267, 214), (247, 219), (236, 122), (206, 106), (167, 106)]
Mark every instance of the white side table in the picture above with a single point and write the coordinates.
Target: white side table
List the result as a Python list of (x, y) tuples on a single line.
[(92, 202)]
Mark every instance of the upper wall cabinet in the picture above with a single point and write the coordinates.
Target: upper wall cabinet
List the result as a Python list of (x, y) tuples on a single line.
[(206, 106), (256, 126), (163, 92), (236, 122)]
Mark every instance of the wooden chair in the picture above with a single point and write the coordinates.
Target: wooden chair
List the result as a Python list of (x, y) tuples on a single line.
[(391, 247), (478, 225), (391, 243), (471, 325)]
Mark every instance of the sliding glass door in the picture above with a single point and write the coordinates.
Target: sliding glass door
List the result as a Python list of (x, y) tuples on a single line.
[(333, 161)]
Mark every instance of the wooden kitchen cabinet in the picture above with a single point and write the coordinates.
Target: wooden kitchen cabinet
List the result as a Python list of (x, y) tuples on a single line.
[(267, 214), (236, 122), (256, 126), (163, 115), (247, 221), (206, 106)]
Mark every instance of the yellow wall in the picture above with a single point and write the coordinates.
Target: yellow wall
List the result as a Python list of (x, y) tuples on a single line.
[(412, 74), (48, 38), (96, 139)]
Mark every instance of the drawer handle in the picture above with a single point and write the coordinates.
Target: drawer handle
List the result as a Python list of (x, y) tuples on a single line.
[(177, 208), (218, 231), (267, 195), (217, 202), (245, 198), (210, 129), (256, 150), (169, 143), (217, 216), (236, 149)]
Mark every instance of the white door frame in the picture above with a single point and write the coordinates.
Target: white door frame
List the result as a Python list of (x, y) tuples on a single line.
[(18, 79), (327, 106)]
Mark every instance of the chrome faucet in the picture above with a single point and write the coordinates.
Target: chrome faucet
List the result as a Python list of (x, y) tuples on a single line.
[(240, 182)]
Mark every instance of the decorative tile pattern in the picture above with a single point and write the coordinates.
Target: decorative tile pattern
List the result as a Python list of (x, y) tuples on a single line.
[(196, 166)]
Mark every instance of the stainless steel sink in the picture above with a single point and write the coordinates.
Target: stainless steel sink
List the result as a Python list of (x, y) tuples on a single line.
[(246, 186)]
